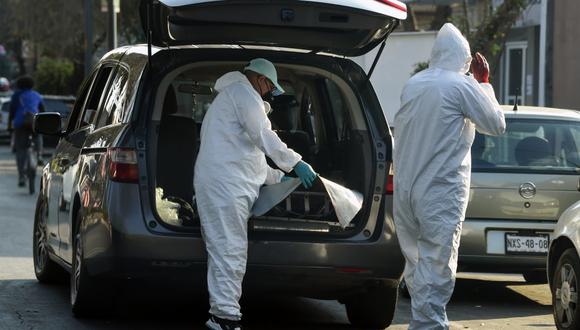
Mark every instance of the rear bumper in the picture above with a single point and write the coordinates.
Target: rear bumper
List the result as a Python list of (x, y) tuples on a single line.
[(126, 248), (483, 248)]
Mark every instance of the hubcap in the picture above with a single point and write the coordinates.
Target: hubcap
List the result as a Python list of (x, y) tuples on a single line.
[(566, 296), (41, 252)]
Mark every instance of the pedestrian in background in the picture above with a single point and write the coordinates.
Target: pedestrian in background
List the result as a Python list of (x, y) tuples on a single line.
[(24, 104), (440, 109)]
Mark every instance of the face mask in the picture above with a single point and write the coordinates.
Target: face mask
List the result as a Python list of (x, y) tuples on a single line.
[(268, 96)]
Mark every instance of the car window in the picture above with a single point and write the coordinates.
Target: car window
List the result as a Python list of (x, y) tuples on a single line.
[(96, 95), (530, 145), (80, 102), (338, 109), (114, 103)]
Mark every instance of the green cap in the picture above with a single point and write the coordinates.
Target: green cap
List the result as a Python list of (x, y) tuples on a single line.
[(266, 68)]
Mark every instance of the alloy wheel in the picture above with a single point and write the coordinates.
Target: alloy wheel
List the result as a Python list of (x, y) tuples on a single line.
[(40, 250), (566, 295), (77, 265)]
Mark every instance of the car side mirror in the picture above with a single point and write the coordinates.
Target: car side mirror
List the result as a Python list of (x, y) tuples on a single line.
[(47, 123)]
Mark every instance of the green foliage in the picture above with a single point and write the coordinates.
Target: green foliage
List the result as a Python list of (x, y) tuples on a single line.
[(53, 76), (420, 67), (490, 37)]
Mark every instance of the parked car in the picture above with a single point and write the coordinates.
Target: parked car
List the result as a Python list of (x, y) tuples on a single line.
[(4, 113), (521, 183), (61, 104), (117, 200), (52, 103), (564, 269)]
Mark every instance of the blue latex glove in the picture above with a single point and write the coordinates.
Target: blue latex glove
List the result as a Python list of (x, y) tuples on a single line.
[(286, 178), (305, 173)]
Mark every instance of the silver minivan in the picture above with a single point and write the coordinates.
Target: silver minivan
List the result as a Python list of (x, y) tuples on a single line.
[(117, 202)]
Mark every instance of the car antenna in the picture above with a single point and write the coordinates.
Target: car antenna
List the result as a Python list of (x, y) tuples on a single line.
[(515, 109)]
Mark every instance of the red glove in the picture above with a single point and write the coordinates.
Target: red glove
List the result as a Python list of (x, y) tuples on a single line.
[(480, 68)]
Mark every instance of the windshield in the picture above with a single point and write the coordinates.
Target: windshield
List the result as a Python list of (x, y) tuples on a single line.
[(529, 145)]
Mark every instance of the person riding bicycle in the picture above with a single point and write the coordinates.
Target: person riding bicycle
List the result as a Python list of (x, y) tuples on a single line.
[(24, 104)]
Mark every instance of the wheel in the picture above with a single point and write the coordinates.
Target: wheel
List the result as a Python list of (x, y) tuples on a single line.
[(565, 291), (536, 277), (374, 309), (46, 270), (88, 296)]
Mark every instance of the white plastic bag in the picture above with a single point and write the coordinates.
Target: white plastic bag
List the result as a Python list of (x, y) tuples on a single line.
[(168, 211), (347, 203)]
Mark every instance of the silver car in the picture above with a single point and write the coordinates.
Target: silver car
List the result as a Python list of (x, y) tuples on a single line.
[(521, 183), (564, 269)]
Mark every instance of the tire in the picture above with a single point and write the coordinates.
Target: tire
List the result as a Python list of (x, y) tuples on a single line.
[(89, 296), (46, 270), (374, 309), (565, 285), (536, 277)]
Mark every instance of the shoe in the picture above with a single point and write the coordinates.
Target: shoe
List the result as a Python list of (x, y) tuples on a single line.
[(216, 323), (21, 182)]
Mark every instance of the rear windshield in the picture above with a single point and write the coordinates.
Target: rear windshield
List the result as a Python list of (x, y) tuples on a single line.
[(529, 146)]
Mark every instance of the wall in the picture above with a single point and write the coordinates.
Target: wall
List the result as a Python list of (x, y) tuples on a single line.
[(402, 53), (566, 55)]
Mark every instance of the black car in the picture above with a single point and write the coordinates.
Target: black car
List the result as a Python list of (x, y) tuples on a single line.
[(117, 201)]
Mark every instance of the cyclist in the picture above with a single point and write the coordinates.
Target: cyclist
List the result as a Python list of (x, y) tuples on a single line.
[(24, 104)]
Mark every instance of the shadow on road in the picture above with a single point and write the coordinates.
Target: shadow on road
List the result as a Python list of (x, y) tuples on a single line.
[(475, 299), (40, 306)]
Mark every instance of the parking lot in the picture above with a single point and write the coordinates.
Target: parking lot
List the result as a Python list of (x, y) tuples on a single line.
[(479, 302)]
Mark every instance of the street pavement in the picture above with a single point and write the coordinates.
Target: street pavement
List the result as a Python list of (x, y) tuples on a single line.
[(480, 301)]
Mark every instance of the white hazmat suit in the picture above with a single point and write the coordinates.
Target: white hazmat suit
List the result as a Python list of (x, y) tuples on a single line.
[(440, 109), (231, 167)]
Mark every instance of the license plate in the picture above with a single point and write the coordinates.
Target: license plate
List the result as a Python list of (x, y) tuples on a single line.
[(526, 244)]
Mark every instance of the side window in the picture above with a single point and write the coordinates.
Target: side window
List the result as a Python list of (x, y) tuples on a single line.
[(80, 101), (114, 102), (98, 90), (338, 109)]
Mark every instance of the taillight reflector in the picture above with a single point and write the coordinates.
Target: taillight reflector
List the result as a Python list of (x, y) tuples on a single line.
[(395, 4), (123, 165), (390, 184)]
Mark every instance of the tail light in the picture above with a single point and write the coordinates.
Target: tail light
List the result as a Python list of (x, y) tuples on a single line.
[(395, 4), (123, 165), (390, 189)]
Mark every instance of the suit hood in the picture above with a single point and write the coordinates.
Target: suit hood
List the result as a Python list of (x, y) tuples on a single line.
[(451, 50), (230, 78)]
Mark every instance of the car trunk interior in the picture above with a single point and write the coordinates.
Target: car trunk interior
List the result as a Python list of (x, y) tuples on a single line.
[(319, 117)]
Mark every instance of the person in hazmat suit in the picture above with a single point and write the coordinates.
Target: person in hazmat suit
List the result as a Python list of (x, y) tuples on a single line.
[(440, 109), (231, 166)]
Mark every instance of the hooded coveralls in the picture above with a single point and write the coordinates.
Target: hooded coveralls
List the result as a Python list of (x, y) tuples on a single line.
[(440, 109), (231, 167)]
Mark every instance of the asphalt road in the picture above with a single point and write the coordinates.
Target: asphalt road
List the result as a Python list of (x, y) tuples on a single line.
[(479, 302)]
